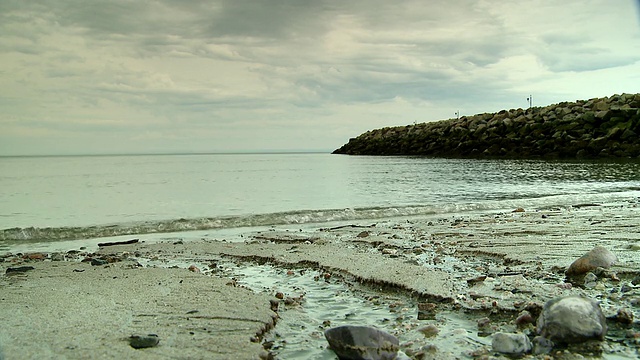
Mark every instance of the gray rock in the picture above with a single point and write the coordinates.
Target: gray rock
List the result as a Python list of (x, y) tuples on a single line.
[(590, 280), (542, 345), (18, 270), (143, 341), (572, 319), (362, 343), (512, 344), (98, 262)]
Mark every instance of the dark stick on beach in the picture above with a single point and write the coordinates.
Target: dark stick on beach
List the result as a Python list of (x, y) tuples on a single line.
[(128, 242)]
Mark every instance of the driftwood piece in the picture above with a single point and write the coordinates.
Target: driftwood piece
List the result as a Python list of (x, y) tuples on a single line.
[(127, 242)]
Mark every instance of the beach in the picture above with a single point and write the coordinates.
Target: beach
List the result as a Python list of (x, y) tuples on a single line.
[(471, 265)]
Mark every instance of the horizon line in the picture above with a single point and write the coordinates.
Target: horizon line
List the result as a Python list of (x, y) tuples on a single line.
[(240, 152)]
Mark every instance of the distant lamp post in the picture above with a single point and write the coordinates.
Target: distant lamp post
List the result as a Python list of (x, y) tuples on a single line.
[(530, 100), (457, 114)]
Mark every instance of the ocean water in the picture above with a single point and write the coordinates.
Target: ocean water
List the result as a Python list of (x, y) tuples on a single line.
[(49, 199)]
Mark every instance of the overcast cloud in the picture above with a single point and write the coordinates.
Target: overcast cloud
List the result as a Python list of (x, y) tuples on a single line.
[(126, 76)]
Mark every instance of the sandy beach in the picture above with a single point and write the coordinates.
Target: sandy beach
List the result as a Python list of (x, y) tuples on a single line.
[(474, 265)]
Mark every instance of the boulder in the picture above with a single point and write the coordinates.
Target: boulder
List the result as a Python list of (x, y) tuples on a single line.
[(597, 257), (362, 343), (571, 319)]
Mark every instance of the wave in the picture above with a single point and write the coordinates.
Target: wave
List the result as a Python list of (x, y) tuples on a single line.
[(302, 217)]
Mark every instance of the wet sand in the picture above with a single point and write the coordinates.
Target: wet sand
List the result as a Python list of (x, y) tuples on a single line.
[(490, 264)]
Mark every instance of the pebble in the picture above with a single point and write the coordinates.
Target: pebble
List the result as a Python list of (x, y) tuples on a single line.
[(512, 344), (427, 311), (57, 257), (98, 262), (19, 269), (597, 257), (542, 345), (35, 256), (142, 341), (429, 330), (571, 319), (362, 343), (524, 318), (624, 316), (590, 280)]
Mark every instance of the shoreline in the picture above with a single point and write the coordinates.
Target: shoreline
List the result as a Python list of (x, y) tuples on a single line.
[(479, 264)]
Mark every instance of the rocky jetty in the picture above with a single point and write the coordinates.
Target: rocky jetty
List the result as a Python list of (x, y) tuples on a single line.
[(596, 128)]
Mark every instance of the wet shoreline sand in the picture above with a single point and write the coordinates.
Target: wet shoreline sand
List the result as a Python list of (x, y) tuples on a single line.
[(491, 264)]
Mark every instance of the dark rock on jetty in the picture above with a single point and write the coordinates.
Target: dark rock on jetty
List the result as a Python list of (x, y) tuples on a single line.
[(596, 128)]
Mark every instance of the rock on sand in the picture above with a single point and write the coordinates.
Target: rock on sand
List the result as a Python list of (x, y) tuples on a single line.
[(513, 344), (362, 342), (597, 257), (572, 319)]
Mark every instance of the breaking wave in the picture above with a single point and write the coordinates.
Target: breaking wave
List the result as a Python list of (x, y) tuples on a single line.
[(300, 217), (207, 223)]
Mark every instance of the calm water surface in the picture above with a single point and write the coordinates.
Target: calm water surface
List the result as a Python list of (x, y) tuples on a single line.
[(58, 198)]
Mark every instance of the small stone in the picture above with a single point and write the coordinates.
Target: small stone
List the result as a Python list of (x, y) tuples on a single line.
[(542, 345), (524, 318), (57, 257), (363, 234), (427, 311), (484, 322), (572, 319), (98, 262), (35, 256), (141, 342), (590, 280), (597, 257), (389, 251), (624, 316), (477, 279), (486, 327), (512, 344), (19, 269), (590, 277), (429, 330), (362, 343)]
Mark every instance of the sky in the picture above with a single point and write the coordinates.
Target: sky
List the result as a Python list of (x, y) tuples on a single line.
[(167, 76)]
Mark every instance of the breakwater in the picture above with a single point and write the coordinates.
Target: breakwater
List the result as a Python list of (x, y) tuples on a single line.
[(595, 128)]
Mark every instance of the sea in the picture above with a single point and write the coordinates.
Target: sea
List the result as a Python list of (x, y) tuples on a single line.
[(66, 200)]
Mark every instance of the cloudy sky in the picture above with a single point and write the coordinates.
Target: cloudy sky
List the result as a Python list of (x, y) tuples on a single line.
[(148, 76)]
